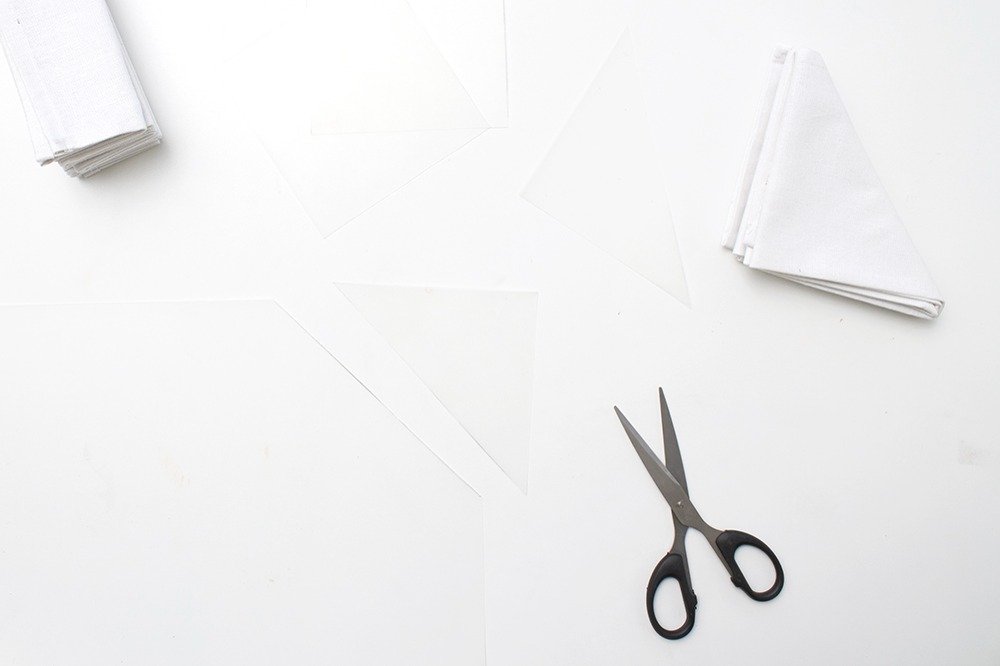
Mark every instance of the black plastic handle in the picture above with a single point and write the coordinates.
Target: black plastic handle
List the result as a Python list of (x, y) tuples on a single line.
[(672, 566), (728, 542)]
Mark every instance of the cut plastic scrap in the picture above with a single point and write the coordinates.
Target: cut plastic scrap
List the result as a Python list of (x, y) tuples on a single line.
[(268, 495), (335, 177), (472, 37), (810, 207), (602, 177), (474, 350), (375, 69)]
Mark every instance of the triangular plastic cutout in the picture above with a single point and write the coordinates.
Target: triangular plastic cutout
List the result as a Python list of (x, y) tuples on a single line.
[(375, 69), (602, 177), (216, 480), (473, 349), (335, 177), (810, 207), (472, 37)]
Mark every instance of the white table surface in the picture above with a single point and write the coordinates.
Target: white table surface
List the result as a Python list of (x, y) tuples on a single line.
[(860, 444)]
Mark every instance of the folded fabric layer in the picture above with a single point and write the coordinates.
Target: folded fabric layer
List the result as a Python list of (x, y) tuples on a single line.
[(810, 207), (83, 102)]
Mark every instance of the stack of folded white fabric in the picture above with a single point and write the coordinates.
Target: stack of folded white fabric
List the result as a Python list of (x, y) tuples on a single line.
[(810, 207), (83, 102)]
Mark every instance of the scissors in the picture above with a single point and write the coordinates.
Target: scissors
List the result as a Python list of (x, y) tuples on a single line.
[(670, 479)]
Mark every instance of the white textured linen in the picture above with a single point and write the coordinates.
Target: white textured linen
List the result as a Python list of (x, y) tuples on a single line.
[(810, 207), (82, 100)]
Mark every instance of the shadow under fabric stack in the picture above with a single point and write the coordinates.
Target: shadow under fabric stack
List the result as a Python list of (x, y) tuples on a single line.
[(83, 102)]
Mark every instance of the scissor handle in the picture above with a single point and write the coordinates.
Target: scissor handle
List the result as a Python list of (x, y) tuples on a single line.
[(728, 542), (672, 566)]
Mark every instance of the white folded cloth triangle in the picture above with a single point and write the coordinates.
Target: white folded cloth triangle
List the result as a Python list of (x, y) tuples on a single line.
[(810, 207), (83, 102)]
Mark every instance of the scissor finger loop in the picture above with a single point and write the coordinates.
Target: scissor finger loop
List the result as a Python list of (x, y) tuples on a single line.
[(671, 480)]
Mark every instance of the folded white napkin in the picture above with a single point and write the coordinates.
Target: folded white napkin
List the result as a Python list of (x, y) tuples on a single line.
[(810, 207), (83, 102)]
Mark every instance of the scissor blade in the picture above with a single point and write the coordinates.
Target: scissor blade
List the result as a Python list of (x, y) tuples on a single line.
[(664, 480), (671, 449)]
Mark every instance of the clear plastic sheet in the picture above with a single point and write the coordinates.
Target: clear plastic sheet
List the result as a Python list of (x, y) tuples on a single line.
[(602, 177), (375, 68), (219, 490), (336, 177), (474, 350)]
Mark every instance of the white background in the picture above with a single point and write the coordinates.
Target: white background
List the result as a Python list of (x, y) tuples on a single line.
[(860, 444)]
